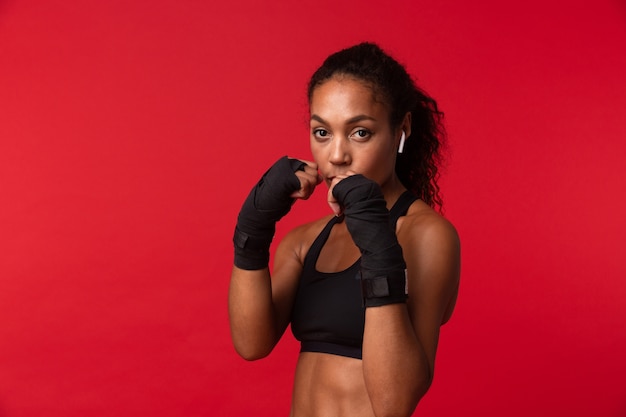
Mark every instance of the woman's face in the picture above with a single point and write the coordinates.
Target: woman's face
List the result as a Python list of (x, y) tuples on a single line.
[(350, 132)]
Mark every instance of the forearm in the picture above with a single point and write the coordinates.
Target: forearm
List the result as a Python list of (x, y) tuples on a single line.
[(253, 318), (395, 366), (252, 315)]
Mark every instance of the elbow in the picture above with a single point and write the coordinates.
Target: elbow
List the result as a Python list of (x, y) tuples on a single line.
[(251, 354), (402, 404), (400, 409), (251, 345), (251, 351), (395, 410), (423, 386), (421, 389)]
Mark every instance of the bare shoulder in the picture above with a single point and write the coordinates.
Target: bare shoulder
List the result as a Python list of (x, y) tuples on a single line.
[(426, 230), (432, 251)]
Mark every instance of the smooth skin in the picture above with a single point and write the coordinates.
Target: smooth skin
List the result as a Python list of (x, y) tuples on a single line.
[(351, 134)]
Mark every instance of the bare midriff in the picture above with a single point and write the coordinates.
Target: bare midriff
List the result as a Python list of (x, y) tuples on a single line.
[(329, 385)]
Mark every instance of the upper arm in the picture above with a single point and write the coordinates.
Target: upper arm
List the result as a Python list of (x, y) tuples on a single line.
[(259, 304), (288, 263), (432, 254)]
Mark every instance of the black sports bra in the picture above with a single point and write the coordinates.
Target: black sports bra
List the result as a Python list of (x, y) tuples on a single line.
[(328, 314)]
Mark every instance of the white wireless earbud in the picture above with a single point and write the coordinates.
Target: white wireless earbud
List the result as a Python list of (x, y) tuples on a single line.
[(402, 139)]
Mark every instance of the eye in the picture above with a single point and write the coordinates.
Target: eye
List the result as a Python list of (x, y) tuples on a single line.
[(321, 134), (361, 134)]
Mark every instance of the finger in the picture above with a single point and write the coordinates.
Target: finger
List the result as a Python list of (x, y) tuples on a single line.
[(308, 182), (333, 204), (307, 164), (332, 201), (310, 168), (335, 207), (306, 172)]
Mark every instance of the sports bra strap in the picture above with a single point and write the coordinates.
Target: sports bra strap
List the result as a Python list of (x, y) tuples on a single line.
[(314, 251), (399, 209)]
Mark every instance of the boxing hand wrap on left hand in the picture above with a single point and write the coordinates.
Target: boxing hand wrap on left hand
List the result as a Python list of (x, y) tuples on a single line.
[(266, 204), (383, 275)]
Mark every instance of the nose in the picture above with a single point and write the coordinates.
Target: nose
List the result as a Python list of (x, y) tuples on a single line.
[(339, 151)]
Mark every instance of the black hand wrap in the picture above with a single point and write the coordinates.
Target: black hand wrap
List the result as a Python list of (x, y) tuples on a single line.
[(383, 276), (267, 203)]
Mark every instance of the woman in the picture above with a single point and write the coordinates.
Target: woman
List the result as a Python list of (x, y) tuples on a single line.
[(366, 288)]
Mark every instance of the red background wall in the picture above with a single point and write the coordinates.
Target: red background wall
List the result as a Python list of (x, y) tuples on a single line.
[(130, 132)]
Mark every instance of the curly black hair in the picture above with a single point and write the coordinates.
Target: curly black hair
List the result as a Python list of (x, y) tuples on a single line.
[(418, 166)]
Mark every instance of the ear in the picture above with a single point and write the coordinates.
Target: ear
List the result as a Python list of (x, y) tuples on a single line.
[(405, 128), (406, 124)]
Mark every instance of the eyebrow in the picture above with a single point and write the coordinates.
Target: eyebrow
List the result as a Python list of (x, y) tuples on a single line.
[(351, 120)]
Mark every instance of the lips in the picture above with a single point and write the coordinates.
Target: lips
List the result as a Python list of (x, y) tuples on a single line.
[(329, 179)]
